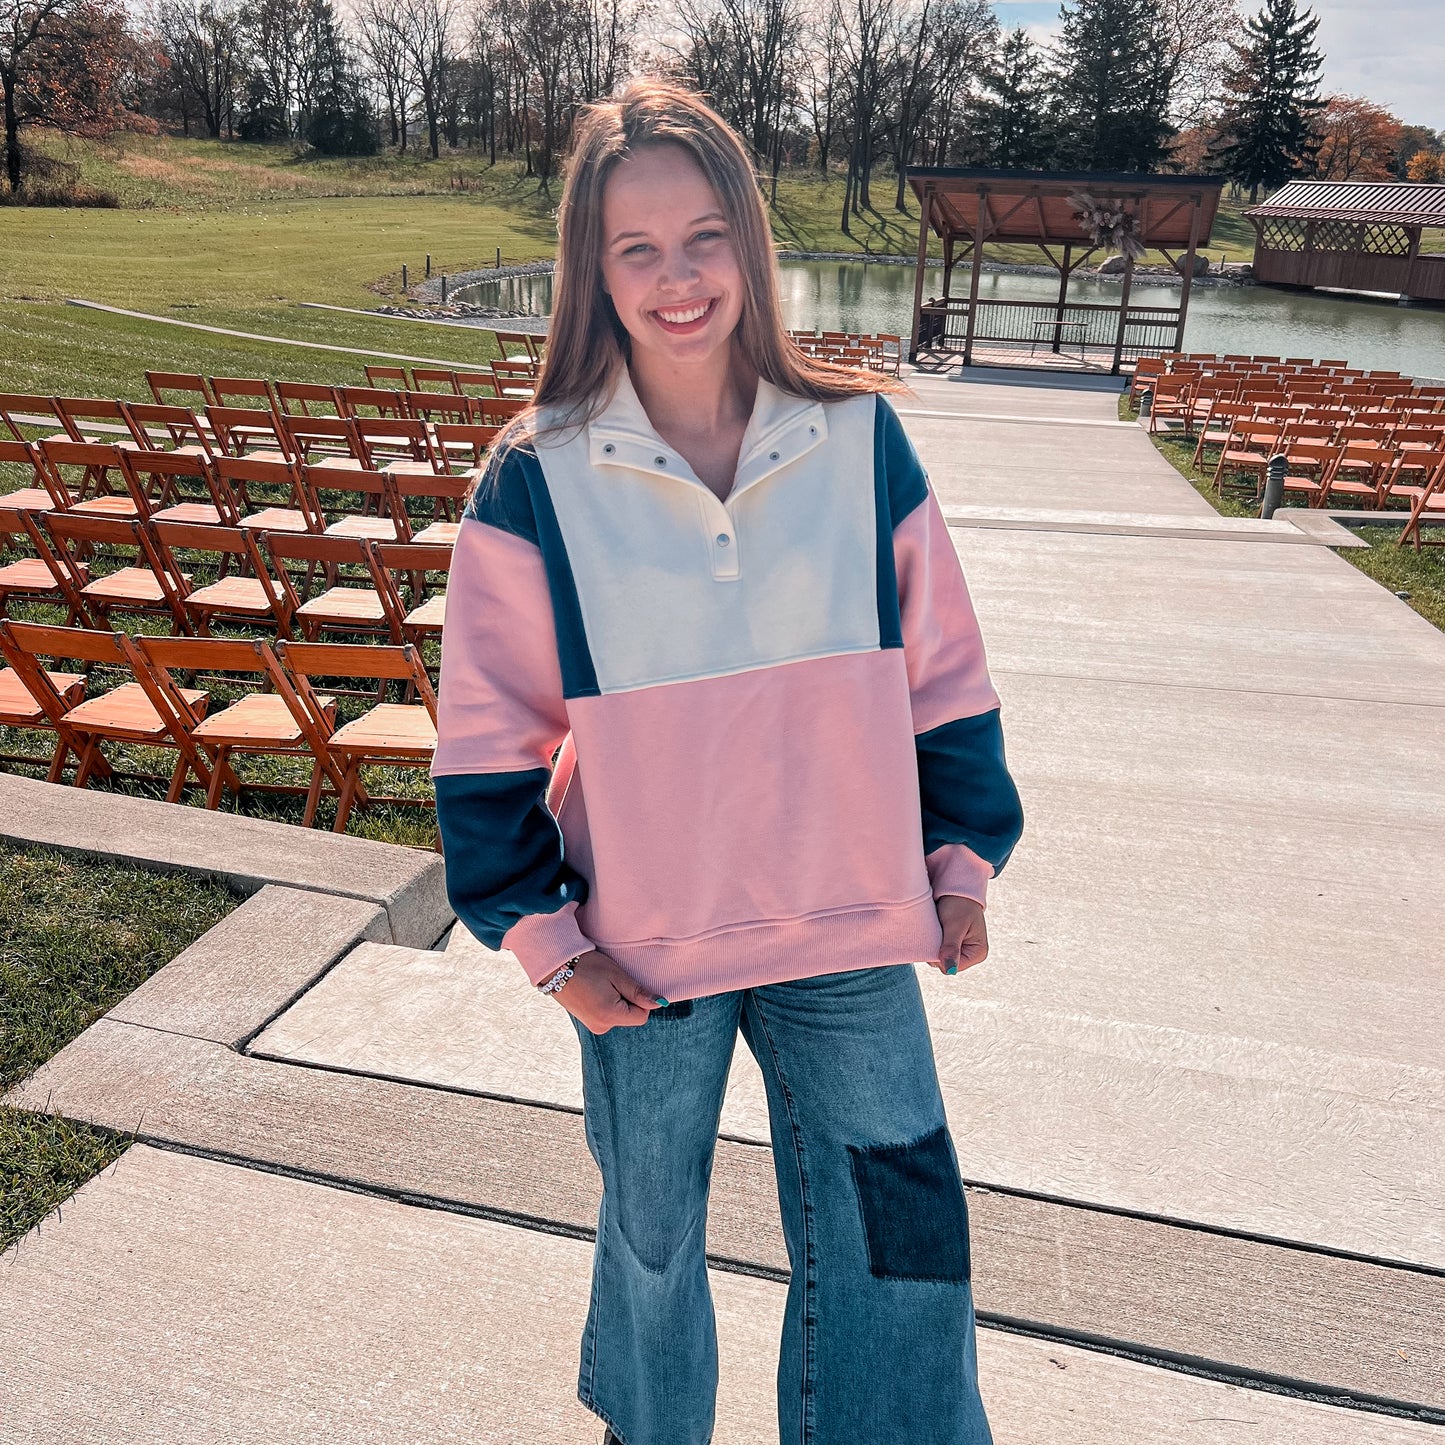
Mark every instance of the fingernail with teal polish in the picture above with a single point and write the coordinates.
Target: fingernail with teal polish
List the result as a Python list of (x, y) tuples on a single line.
[(952, 968), (662, 1000)]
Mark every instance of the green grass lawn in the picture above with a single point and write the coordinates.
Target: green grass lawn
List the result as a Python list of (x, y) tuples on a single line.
[(1400, 569), (76, 937)]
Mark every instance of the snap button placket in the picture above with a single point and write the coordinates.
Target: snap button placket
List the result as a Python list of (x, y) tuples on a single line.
[(723, 539)]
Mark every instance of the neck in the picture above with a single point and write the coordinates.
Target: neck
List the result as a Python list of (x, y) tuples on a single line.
[(705, 398)]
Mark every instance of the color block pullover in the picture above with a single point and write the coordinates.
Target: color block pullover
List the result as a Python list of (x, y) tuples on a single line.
[(779, 739)]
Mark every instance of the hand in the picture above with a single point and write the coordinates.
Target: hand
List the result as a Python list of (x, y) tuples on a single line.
[(965, 935), (603, 996)]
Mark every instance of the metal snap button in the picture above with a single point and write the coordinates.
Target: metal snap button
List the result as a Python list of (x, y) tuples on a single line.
[(722, 539), (813, 430), (773, 456), (609, 449), (661, 461)]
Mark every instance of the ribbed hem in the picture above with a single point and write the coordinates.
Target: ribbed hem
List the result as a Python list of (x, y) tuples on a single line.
[(955, 868), (543, 942), (752, 955)]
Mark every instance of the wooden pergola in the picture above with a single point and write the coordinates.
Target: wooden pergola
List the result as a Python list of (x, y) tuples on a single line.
[(969, 208), (1353, 235)]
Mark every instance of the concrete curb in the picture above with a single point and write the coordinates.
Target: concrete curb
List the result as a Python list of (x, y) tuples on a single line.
[(244, 853)]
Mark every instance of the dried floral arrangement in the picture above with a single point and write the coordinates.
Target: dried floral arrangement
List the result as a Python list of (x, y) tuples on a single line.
[(1108, 225)]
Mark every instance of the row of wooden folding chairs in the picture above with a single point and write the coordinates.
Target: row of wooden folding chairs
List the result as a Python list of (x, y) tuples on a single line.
[(873, 351), (251, 493), (515, 376), (292, 581), (1402, 431), (1183, 402), (1162, 374), (288, 711)]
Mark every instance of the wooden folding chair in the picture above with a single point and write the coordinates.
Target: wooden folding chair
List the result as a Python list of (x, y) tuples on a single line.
[(1247, 453), (19, 410), (393, 735), (75, 469), (1428, 500), (475, 385), (386, 442), (306, 398), (515, 378), (139, 711), (267, 720), (250, 594), (1309, 464), (158, 427), (387, 378), (367, 403), (37, 575), (146, 586), (1359, 472), (524, 346), (434, 407), (252, 393), (22, 710), (22, 474), (349, 604), (239, 477), (94, 419), (241, 431), (431, 380), (192, 389), (176, 487), (380, 513), (447, 495), (413, 600), (321, 441), (497, 410)]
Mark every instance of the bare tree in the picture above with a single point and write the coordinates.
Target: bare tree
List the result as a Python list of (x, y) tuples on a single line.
[(429, 28), (382, 25), (1197, 40), (822, 83), (203, 42)]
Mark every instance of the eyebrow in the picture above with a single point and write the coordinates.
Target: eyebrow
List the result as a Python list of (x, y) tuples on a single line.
[(627, 235)]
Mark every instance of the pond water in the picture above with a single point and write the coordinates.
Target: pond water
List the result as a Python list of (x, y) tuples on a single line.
[(851, 296)]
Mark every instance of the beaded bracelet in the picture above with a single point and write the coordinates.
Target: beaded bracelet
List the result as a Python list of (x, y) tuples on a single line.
[(560, 977)]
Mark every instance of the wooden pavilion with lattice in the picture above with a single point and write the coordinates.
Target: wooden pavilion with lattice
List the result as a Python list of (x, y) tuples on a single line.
[(1353, 235), (969, 208)]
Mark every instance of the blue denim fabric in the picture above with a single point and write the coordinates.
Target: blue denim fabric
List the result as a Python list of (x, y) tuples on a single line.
[(878, 1342)]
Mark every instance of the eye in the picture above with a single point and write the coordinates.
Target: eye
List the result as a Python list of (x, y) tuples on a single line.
[(703, 234), (637, 246)]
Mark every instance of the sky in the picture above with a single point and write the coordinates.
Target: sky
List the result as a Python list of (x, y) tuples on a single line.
[(1390, 51)]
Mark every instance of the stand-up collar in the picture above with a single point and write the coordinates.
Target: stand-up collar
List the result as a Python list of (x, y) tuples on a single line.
[(782, 428)]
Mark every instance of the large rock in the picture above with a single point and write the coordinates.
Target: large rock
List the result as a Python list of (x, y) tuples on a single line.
[(1111, 266), (1201, 265)]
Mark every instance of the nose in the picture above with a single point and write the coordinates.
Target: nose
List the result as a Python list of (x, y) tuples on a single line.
[(678, 271)]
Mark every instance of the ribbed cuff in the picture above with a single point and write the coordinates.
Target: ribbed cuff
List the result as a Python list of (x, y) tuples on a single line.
[(543, 942), (957, 869)]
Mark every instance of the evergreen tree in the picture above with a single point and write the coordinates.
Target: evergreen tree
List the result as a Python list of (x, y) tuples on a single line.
[(1267, 131), (336, 119), (1112, 83), (1011, 119)]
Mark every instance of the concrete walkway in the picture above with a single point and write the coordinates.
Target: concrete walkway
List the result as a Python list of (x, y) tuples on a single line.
[(1196, 1089)]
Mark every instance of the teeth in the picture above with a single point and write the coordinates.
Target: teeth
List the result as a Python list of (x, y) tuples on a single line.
[(681, 318)]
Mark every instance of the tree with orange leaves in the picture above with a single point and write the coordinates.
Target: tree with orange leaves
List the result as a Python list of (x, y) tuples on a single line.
[(1358, 140)]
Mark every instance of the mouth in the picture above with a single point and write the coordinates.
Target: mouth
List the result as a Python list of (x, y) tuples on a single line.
[(684, 320)]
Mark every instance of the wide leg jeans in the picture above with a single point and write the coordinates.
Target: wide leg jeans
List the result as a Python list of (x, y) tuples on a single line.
[(878, 1338)]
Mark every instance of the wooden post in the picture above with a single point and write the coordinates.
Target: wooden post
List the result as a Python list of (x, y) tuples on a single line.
[(1188, 272), (947, 265), (1123, 314), (1064, 270), (924, 201), (977, 269)]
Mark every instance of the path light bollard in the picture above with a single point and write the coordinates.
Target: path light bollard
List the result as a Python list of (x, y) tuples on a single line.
[(1274, 485), (1146, 403), (403, 275), (499, 257), (428, 265), (444, 288)]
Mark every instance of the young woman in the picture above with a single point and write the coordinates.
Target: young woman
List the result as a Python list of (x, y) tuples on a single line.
[(712, 571)]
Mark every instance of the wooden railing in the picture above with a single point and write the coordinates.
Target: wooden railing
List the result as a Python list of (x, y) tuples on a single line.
[(1076, 327)]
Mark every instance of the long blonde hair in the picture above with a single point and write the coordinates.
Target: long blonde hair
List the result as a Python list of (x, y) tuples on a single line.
[(586, 340)]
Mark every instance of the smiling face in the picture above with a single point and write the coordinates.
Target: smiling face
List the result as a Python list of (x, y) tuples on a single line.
[(668, 259)]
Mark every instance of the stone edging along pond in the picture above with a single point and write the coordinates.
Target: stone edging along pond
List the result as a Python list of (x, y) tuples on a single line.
[(427, 295)]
